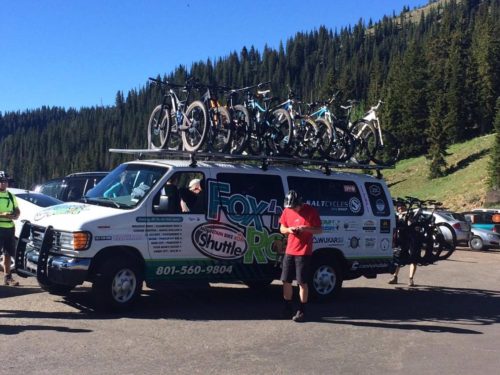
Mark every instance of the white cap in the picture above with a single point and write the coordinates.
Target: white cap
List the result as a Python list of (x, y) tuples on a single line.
[(194, 182)]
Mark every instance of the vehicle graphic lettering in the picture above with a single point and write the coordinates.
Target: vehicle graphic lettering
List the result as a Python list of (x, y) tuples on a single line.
[(219, 241)]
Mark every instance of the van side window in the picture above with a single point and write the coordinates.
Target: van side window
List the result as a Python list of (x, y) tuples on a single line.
[(261, 187), (329, 197), (186, 192), (262, 193), (377, 198)]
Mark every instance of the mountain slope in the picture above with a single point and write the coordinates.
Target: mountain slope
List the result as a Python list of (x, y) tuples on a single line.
[(464, 186)]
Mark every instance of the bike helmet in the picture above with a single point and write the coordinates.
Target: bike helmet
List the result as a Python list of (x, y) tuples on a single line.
[(292, 199), (4, 176)]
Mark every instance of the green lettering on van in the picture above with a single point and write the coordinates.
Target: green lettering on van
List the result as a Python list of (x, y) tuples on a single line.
[(260, 246)]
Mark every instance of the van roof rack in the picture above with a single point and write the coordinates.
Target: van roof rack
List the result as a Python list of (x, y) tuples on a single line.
[(264, 160)]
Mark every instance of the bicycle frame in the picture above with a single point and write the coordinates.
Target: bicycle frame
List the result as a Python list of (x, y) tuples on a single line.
[(372, 117)]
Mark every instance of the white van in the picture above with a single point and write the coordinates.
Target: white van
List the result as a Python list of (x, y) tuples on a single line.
[(141, 223)]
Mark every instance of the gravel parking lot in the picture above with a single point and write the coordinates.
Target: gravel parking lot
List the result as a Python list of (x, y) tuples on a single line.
[(447, 324)]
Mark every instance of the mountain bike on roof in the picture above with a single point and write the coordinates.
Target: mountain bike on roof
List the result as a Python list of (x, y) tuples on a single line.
[(334, 140), (165, 122), (240, 122), (271, 126), (382, 147), (207, 122), (304, 139)]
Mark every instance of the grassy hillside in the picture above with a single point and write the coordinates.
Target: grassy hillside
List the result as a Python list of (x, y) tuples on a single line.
[(463, 188)]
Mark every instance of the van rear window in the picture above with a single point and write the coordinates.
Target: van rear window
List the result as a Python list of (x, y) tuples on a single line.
[(378, 200), (329, 197)]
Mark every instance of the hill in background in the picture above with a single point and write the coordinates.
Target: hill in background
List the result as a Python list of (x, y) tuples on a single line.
[(464, 186)]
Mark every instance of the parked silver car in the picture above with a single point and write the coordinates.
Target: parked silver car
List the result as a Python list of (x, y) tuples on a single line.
[(455, 220), (483, 239)]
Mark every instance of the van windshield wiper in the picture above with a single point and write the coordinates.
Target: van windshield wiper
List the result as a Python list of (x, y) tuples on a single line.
[(104, 202)]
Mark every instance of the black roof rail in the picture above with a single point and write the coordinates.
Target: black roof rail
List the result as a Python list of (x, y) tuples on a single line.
[(264, 160)]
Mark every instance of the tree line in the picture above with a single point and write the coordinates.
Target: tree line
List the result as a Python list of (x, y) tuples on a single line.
[(438, 73)]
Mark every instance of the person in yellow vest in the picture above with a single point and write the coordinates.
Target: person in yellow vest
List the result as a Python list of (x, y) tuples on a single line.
[(9, 211)]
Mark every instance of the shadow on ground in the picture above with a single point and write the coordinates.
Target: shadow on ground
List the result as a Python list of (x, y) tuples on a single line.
[(424, 308), (466, 161)]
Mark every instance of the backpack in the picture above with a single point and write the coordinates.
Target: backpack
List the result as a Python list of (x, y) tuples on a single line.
[(10, 198)]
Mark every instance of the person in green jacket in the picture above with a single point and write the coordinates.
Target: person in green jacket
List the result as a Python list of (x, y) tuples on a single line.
[(9, 211)]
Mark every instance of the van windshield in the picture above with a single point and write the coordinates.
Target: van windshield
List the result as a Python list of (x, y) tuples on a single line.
[(125, 187)]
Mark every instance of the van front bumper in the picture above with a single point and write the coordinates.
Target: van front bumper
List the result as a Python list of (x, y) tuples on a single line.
[(60, 269)]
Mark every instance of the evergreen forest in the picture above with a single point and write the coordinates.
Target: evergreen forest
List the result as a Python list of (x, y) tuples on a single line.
[(437, 71)]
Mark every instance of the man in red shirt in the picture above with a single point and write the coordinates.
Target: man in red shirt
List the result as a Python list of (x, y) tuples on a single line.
[(299, 222)]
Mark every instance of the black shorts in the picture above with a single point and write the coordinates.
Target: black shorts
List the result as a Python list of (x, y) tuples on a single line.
[(296, 267), (7, 241)]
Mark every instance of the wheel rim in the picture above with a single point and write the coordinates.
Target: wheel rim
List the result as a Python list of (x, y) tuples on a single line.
[(324, 280), (475, 243), (124, 285)]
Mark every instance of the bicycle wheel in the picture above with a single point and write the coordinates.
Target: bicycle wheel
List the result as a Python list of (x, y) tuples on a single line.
[(445, 241), (304, 134), (196, 124), (365, 139), (323, 137), (158, 127), (388, 153), (219, 132), (342, 144), (240, 130), (279, 133)]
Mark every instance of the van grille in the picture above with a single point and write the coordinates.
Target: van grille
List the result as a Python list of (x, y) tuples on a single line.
[(36, 239)]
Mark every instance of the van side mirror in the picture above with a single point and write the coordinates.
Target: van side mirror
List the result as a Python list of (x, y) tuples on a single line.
[(163, 206)]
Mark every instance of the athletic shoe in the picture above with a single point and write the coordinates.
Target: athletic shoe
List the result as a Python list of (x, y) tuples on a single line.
[(9, 280), (410, 282), (394, 280), (299, 317)]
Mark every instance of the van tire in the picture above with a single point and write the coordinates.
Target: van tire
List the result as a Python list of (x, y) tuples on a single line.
[(117, 284), (326, 278)]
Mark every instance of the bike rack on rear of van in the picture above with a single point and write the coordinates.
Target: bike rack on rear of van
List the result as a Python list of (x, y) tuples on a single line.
[(264, 160)]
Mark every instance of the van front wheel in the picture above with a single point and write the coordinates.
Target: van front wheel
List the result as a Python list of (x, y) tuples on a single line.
[(326, 279), (117, 285)]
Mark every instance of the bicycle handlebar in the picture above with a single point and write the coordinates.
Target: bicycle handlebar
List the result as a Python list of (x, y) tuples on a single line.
[(166, 83), (230, 91), (377, 106)]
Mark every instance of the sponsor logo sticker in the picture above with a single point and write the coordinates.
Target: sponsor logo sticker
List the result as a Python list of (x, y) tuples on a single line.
[(220, 241), (384, 244), (102, 238), (369, 226), (380, 204), (354, 205), (349, 188), (329, 240), (351, 226), (370, 242), (354, 242), (375, 190), (385, 226)]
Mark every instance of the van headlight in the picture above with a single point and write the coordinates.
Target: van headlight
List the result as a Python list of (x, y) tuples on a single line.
[(76, 241)]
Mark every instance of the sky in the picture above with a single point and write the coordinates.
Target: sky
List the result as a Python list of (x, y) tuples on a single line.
[(80, 53)]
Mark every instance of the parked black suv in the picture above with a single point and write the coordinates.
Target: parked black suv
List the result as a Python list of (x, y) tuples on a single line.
[(72, 187)]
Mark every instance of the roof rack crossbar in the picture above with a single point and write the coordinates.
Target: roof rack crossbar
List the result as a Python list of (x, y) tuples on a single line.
[(265, 160)]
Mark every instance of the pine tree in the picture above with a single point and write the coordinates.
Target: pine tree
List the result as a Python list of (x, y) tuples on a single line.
[(494, 164)]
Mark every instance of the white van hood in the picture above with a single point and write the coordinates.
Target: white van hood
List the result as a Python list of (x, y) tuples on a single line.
[(75, 216)]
